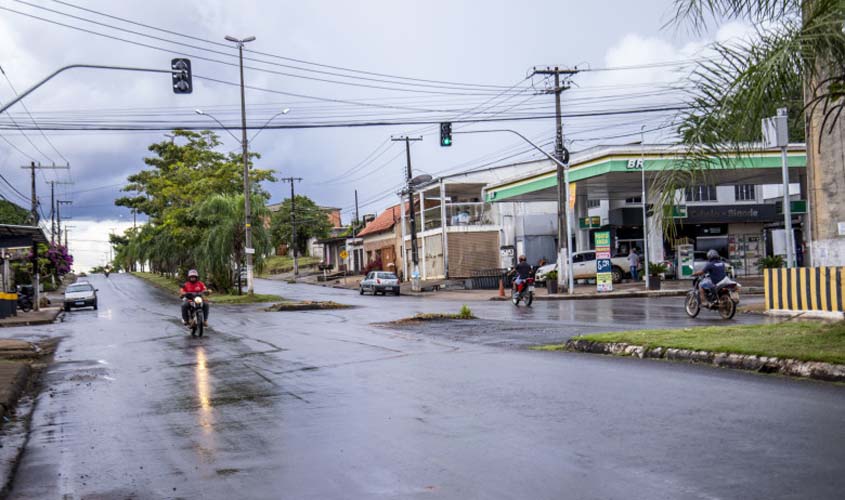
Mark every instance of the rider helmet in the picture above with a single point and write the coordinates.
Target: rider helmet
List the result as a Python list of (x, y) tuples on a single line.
[(712, 254), (193, 274)]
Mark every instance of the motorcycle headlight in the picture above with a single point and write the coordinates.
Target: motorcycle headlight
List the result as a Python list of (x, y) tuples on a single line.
[(198, 300)]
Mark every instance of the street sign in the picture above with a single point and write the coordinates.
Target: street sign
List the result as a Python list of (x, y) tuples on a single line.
[(604, 267), (249, 251), (679, 212), (797, 206), (589, 222), (344, 254)]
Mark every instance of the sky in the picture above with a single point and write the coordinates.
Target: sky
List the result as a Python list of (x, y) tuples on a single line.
[(331, 62)]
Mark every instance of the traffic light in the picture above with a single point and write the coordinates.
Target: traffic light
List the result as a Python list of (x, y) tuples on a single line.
[(446, 134), (181, 73)]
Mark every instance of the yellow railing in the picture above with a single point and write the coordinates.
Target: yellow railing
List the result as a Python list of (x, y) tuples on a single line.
[(805, 289)]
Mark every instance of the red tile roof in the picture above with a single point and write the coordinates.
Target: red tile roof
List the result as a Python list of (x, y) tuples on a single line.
[(384, 222)]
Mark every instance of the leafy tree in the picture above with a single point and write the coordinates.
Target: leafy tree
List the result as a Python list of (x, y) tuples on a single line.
[(311, 222), (189, 193), (222, 216), (13, 214), (794, 59)]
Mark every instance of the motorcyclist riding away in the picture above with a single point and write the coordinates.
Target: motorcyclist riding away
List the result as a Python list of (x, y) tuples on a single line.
[(195, 286), (522, 270), (714, 272)]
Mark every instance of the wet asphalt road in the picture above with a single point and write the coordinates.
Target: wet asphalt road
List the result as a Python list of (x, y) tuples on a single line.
[(323, 405)]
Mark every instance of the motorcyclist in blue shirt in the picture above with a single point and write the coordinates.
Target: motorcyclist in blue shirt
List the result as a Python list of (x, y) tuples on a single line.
[(714, 272)]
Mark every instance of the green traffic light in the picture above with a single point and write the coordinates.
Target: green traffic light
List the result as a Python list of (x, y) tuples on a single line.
[(447, 141)]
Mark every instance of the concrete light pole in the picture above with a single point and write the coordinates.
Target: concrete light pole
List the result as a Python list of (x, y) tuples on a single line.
[(248, 249)]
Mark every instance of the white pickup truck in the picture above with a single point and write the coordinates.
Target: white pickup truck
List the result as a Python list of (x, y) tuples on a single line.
[(584, 267)]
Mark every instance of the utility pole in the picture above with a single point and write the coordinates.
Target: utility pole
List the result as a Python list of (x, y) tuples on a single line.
[(563, 230), (249, 250), (409, 176), (292, 181), (36, 279), (59, 204), (54, 209), (355, 225)]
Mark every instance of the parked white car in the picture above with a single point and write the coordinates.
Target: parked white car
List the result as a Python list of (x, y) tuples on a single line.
[(700, 260), (380, 282), (584, 267), (80, 294)]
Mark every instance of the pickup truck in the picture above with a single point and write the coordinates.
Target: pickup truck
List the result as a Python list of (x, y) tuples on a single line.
[(584, 267)]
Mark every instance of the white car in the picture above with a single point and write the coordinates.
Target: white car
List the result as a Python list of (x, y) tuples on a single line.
[(380, 282), (80, 294), (542, 271)]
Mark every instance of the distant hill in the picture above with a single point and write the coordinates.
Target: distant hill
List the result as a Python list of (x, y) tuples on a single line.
[(12, 214)]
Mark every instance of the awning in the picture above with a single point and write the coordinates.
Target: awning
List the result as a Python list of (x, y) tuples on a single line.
[(20, 236), (617, 171)]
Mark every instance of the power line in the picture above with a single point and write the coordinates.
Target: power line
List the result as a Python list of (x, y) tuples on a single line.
[(233, 64), (301, 61), (9, 81)]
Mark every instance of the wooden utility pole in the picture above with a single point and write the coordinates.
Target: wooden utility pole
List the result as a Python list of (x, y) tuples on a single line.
[(409, 176), (34, 215), (292, 181), (562, 182)]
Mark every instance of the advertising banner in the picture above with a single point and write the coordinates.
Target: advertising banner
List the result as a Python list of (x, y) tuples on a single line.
[(604, 275)]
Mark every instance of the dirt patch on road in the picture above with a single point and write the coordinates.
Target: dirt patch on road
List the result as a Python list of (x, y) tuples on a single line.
[(306, 305)]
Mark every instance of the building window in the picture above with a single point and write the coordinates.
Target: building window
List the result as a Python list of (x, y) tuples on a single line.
[(701, 193), (744, 192), (593, 203), (635, 199)]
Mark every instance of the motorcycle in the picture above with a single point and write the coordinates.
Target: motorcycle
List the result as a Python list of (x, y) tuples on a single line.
[(523, 291), (196, 316), (25, 297), (724, 298)]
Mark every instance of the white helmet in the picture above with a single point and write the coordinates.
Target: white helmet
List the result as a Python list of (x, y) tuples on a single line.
[(194, 273)]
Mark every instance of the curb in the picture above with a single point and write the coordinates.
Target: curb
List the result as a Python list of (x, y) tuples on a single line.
[(817, 370), (46, 321), (625, 295)]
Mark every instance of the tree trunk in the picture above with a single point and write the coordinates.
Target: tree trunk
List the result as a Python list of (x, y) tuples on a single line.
[(825, 185)]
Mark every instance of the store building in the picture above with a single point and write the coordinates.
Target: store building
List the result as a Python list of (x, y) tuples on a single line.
[(735, 207)]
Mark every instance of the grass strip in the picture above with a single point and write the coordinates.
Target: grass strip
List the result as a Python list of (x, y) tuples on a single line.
[(801, 340), (278, 264), (173, 286)]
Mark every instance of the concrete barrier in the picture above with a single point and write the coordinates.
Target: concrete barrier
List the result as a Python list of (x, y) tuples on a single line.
[(805, 289)]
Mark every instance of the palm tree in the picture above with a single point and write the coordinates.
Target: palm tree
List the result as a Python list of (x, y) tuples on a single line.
[(222, 247), (796, 59)]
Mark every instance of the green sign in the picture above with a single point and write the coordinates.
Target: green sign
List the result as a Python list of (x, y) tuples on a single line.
[(679, 212), (797, 206), (589, 222)]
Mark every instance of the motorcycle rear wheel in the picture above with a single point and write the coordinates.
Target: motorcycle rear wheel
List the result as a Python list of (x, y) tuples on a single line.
[(692, 306), (529, 299), (727, 307)]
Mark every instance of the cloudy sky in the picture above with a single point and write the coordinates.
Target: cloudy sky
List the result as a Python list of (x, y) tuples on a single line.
[(336, 63)]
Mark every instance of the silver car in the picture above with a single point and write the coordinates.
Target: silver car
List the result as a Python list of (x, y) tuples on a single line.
[(80, 294), (380, 282)]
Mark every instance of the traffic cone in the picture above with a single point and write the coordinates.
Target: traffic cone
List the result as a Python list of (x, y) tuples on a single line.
[(501, 287)]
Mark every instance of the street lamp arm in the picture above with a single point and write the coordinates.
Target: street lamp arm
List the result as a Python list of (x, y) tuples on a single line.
[(538, 148), (72, 66), (282, 112), (203, 113)]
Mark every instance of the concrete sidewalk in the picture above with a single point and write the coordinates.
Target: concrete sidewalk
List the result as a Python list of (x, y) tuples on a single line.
[(45, 316)]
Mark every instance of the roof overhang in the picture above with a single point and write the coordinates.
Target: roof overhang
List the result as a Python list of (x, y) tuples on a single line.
[(12, 236), (618, 171)]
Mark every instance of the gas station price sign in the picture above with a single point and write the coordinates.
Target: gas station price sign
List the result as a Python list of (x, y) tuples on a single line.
[(604, 274)]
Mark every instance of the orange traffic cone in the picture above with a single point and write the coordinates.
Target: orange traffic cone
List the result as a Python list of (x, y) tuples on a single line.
[(501, 287)]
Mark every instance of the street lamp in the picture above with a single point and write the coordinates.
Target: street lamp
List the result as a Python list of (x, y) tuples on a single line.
[(282, 112), (248, 249), (203, 113)]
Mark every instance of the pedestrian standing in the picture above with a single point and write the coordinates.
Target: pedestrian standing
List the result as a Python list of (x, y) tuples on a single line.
[(634, 261)]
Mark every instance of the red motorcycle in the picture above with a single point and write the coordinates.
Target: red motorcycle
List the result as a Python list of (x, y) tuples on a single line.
[(523, 291)]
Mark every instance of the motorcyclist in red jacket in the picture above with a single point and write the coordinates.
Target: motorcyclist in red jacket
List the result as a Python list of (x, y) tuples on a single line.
[(194, 286)]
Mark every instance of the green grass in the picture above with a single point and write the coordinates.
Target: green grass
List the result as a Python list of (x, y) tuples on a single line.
[(278, 264), (172, 285), (802, 340)]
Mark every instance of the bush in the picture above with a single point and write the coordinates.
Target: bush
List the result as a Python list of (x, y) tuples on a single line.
[(465, 313), (773, 262), (551, 275), (657, 268)]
